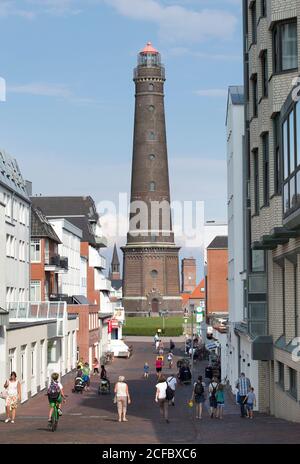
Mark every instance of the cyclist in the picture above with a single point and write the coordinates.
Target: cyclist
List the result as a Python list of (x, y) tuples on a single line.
[(55, 395)]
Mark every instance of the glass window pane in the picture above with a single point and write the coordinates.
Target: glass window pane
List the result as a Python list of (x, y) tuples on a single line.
[(257, 328), (298, 188), (289, 46), (292, 192), (292, 142), (286, 202), (297, 109), (258, 260), (285, 150), (257, 311), (257, 283)]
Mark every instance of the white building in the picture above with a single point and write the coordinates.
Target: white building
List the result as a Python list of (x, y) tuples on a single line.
[(14, 233), (238, 358), (70, 236)]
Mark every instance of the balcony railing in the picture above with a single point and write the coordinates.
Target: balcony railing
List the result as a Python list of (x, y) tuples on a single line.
[(58, 261)]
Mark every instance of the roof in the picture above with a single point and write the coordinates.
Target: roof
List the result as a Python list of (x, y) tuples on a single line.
[(116, 284), (115, 258), (11, 177), (41, 227), (219, 242), (197, 293), (80, 299), (80, 211), (149, 49), (236, 96)]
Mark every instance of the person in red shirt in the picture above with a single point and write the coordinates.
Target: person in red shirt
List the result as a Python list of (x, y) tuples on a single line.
[(158, 365)]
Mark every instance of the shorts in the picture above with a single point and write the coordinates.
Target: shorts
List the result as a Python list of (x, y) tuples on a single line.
[(249, 406), (220, 405), (158, 369), (52, 402), (199, 399), (213, 402)]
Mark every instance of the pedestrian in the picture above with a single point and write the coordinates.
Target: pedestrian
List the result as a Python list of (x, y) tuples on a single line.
[(103, 373), (212, 389), (161, 397), (172, 383), (172, 345), (13, 391), (161, 348), (146, 370), (122, 398), (170, 359), (96, 366), (158, 365), (157, 343), (220, 401), (198, 396), (250, 402), (243, 385)]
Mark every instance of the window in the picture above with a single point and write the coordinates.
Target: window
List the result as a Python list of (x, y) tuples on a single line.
[(151, 108), (154, 273), (256, 181), (254, 96), (151, 157), (35, 251), (151, 135), (293, 382), (254, 22), (7, 199), (285, 46), (263, 8), (265, 141), (152, 187), (277, 163), (264, 68), (258, 261), (281, 375), (12, 359), (151, 87), (35, 290)]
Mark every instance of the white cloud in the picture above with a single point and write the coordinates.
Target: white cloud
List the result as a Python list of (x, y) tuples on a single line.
[(178, 23), (213, 93)]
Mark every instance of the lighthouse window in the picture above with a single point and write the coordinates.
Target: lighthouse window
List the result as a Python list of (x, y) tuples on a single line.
[(151, 108), (151, 135), (151, 157), (154, 273), (152, 186), (151, 87)]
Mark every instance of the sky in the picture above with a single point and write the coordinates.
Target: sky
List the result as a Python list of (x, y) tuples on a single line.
[(68, 115)]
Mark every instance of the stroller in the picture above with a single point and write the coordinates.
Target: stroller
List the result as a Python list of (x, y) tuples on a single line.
[(104, 387), (79, 385), (185, 376)]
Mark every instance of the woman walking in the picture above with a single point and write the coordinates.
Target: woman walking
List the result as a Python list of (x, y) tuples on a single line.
[(13, 389), (220, 401), (213, 387), (158, 365), (198, 396), (96, 366), (161, 397), (122, 398)]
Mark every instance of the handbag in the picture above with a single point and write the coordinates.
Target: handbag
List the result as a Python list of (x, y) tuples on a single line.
[(4, 394), (115, 399)]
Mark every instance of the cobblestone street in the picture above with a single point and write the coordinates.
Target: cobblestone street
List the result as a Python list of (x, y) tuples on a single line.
[(90, 418)]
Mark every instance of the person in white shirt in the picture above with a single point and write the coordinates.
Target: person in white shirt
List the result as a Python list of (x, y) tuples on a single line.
[(13, 391), (122, 397), (172, 382), (161, 397)]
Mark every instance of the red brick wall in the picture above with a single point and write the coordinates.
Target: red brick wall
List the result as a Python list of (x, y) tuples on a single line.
[(92, 295), (217, 283), (85, 336), (38, 270)]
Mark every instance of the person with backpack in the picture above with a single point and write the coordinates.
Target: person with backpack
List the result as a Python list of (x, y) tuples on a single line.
[(55, 394), (172, 383), (212, 389), (172, 346), (161, 397), (198, 396)]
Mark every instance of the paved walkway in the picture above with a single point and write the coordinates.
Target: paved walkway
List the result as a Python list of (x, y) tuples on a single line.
[(90, 418)]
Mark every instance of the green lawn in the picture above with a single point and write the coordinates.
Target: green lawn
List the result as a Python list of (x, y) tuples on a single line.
[(147, 326)]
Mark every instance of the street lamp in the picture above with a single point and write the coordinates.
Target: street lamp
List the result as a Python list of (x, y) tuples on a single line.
[(163, 313)]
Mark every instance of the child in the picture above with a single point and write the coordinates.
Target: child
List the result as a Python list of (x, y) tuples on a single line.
[(146, 370), (250, 402), (220, 401)]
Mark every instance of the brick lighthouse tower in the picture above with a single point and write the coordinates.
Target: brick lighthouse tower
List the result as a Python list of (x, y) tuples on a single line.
[(151, 265)]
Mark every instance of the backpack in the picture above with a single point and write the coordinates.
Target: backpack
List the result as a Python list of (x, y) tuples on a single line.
[(53, 391), (169, 393), (199, 390), (214, 391)]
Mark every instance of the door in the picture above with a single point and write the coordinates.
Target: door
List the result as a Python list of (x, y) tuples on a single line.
[(23, 361), (33, 386), (155, 305)]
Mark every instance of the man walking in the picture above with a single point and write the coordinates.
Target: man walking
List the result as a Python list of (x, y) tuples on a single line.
[(243, 385), (172, 382)]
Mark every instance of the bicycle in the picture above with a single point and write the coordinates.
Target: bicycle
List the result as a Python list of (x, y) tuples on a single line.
[(55, 416)]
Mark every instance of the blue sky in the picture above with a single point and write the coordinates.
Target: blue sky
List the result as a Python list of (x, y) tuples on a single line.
[(68, 118)]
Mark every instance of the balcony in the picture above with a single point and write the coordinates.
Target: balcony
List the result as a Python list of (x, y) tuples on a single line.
[(57, 263), (95, 259), (101, 282), (101, 242)]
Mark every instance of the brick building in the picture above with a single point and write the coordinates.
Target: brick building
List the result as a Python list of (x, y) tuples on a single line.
[(188, 275), (271, 159), (151, 263), (216, 283)]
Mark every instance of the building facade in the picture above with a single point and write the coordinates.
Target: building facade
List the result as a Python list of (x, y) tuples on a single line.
[(272, 134), (14, 233), (151, 263), (188, 275), (216, 282)]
